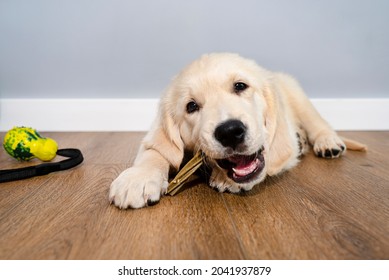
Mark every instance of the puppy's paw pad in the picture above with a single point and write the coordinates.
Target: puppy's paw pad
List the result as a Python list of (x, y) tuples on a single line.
[(151, 202), (329, 146)]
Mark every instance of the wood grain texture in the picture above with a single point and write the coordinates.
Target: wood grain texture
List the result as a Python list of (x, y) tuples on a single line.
[(322, 209)]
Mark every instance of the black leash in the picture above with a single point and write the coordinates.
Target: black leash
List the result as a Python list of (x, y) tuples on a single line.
[(74, 158)]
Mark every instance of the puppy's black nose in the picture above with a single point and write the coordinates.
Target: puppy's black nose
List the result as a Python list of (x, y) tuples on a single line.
[(230, 133)]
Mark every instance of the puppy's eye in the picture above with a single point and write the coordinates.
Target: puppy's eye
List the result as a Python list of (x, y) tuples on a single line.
[(239, 87), (192, 107)]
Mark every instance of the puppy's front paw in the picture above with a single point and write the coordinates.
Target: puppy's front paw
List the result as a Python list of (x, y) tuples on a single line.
[(329, 146), (220, 181), (137, 187)]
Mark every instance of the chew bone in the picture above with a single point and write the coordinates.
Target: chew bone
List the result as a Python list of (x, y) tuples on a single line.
[(183, 175)]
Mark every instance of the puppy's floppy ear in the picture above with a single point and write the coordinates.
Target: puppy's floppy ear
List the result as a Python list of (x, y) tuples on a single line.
[(279, 138), (164, 136)]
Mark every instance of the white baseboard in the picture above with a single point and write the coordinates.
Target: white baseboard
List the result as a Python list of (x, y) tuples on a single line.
[(137, 114)]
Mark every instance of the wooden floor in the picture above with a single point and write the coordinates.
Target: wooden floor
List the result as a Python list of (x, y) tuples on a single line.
[(322, 209)]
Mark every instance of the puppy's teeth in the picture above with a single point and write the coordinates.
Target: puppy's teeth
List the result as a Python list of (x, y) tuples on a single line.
[(245, 170)]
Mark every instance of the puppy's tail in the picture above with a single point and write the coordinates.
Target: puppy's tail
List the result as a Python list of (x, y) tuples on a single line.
[(354, 145)]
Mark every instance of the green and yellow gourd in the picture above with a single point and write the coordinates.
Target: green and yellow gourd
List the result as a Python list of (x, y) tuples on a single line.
[(25, 143)]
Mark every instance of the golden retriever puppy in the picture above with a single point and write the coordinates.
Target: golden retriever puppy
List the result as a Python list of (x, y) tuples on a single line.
[(248, 122)]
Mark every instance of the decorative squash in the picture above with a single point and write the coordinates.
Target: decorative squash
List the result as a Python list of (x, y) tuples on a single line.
[(25, 143)]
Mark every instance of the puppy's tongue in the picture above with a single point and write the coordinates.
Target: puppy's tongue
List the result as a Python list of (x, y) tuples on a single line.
[(244, 165)]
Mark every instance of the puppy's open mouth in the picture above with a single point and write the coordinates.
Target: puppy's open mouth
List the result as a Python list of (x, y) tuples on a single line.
[(243, 168)]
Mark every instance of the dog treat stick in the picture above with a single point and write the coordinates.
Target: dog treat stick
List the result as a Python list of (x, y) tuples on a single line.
[(185, 172)]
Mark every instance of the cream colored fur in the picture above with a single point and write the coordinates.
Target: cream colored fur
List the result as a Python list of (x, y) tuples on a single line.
[(274, 109)]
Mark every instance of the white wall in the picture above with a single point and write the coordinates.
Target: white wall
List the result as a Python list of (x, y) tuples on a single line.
[(131, 49)]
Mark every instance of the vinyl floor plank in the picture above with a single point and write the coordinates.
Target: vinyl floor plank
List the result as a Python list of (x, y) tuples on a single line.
[(321, 209)]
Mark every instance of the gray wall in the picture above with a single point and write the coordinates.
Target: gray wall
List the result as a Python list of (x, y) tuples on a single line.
[(117, 48)]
